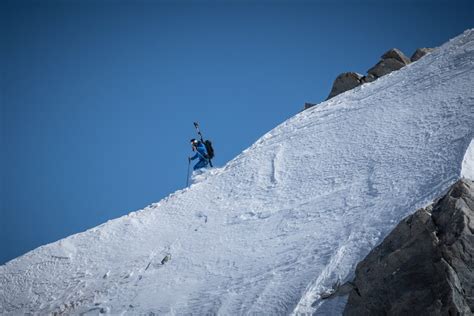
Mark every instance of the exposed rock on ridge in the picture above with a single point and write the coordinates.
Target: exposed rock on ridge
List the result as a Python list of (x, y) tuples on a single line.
[(391, 60), (396, 54), (345, 81), (425, 266), (420, 52)]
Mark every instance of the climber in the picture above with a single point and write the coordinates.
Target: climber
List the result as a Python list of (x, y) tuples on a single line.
[(201, 153)]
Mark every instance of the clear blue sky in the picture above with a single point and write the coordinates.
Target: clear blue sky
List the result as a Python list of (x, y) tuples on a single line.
[(98, 97)]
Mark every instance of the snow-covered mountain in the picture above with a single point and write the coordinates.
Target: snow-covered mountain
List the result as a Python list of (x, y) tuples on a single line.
[(282, 222)]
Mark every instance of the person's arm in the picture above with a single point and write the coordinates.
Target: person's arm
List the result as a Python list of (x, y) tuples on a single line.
[(193, 157)]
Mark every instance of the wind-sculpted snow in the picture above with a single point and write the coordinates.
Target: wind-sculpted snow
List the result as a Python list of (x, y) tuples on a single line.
[(284, 221)]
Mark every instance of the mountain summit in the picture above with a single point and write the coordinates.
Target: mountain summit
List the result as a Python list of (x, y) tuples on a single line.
[(280, 224)]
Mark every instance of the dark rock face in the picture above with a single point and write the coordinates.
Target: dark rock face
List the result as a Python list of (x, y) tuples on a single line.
[(345, 81), (425, 266), (368, 78), (420, 52), (392, 60), (308, 105), (396, 54), (385, 66)]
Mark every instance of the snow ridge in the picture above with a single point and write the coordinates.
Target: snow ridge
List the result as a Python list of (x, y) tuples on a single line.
[(282, 222)]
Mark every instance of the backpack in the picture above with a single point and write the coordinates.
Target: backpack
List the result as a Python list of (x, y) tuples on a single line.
[(210, 150)]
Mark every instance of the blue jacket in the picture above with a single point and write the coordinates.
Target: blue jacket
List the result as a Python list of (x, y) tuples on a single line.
[(201, 152)]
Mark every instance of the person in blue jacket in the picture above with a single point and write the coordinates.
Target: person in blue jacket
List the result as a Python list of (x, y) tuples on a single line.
[(201, 153)]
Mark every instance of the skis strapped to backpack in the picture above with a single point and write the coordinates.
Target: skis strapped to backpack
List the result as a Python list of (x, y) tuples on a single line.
[(207, 143)]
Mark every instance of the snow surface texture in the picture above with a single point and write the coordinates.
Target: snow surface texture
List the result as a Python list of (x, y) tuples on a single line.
[(284, 221)]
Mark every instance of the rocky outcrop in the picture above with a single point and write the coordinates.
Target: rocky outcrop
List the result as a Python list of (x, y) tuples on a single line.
[(384, 67), (391, 60), (425, 266), (345, 81), (308, 105), (420, 52), (368, 78), (396, 54)]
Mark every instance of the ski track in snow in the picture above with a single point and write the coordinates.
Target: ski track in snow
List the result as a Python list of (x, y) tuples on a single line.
[(281, 223)]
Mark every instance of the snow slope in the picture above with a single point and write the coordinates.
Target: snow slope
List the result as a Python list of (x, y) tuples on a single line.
[(282, 222)]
